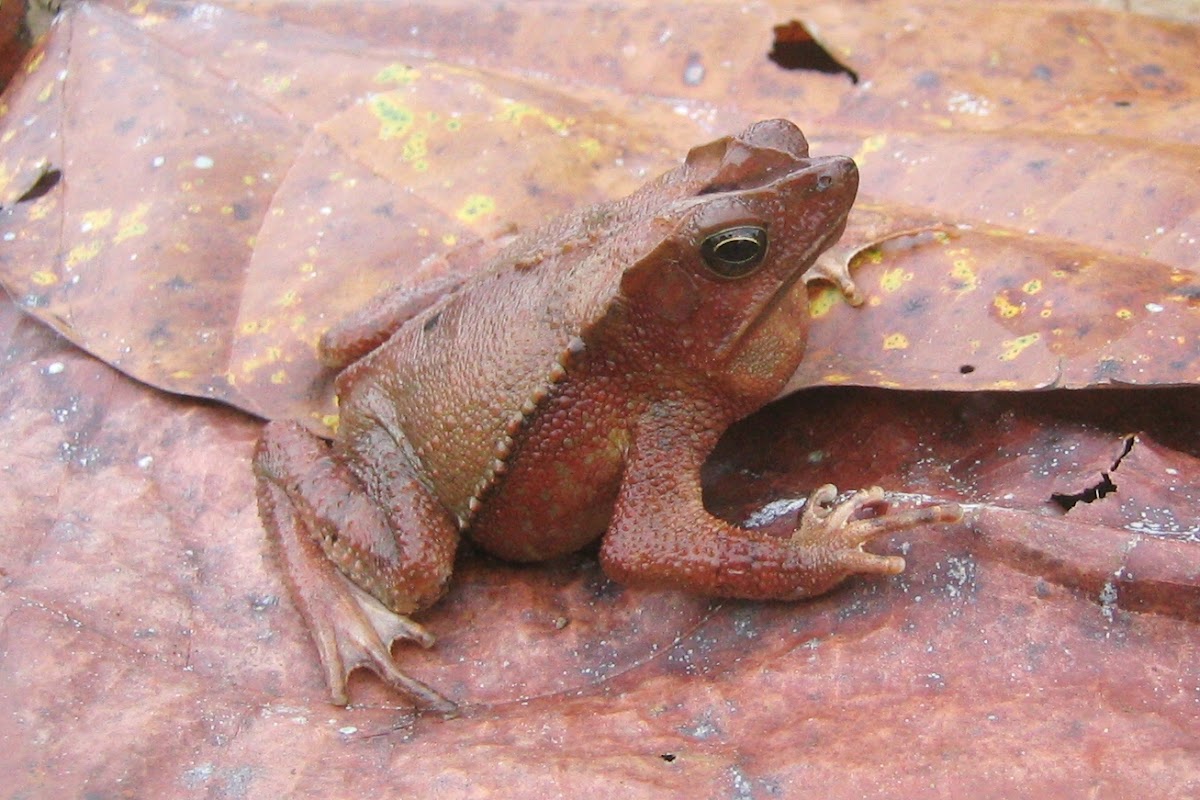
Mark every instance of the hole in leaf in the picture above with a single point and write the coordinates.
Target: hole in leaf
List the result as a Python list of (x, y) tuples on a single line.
[(966, 369), (42, 186), (1088, 495), (1101, 489), (668, 757), (796, 48)]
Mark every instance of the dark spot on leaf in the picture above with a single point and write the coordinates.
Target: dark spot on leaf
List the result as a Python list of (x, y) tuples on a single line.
[(383, 210), (263, 602), (1123, 103), (1188, 292), (241, 212), (600, 587), (432, 322), (915, 306), (966, 369), (668, 757), (42, 186), (160, 333), (124, 126), (1038, 165), (1042, 73), (178, 284), (927, 79), (796, 49), (1149, 69)]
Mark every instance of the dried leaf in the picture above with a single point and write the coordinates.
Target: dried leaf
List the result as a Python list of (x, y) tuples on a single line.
[(1042, 160)]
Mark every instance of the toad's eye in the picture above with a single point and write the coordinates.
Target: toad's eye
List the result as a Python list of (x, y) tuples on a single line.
[(735, 252)]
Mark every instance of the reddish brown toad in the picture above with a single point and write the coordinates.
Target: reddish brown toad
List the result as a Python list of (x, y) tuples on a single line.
[(572, 390)]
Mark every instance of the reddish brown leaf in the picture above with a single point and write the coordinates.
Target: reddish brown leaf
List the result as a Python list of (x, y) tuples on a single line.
[(1043, 161)]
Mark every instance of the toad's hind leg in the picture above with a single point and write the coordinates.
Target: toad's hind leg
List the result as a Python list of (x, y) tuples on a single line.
[(356, 564)]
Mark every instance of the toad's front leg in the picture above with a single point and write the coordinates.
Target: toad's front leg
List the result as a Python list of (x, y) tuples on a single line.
[(359, 555), (661, 533)]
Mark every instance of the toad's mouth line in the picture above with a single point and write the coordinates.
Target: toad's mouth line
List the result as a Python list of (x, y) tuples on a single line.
[(764, 309)]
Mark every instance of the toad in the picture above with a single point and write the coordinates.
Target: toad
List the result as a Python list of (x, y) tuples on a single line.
[(570, 391)]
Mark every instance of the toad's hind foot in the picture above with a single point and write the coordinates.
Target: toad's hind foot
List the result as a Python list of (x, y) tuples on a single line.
[(357, 631), (351, 628)]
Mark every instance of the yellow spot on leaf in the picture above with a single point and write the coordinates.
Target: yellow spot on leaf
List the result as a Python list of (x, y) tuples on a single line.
[(34, 63), (836, 377), (454, 124), (872, 144), (330, 421), (132, 224), (250, 327), (83, 252), (476, 207), (1124, 314), (276, 84), (1007, 308), (41, 209), (1032, 286), (1014, 347), (395, 120), (893, 280), (278, 377), (46, 93), (44, 278), (516, 113), (289, 299), (824, 302), (416, 147), (95, 220), (182, 374), (449, 239), (895, 341), (252, 365), (397, 74), (591, 147), (962, 271)]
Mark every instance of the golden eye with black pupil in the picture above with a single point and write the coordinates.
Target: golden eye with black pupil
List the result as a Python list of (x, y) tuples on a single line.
[(735, 252)]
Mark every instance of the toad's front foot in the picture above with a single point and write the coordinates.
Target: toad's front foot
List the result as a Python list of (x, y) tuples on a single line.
[(829, 537)]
